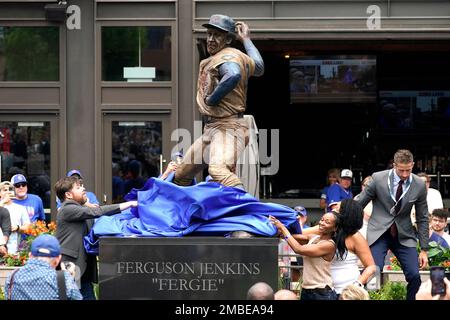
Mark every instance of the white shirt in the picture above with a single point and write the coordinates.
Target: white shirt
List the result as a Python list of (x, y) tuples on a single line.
[(19, 217), (2, 238), (434, 200), (446, 237), (344, 272)]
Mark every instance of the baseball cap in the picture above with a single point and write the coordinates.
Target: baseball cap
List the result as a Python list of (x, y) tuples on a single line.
[(346, 173), (45, 245), (74, 171), (18, 178), (301, 211), (221, 22)]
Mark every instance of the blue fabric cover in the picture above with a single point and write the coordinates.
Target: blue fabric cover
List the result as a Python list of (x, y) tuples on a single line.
[(205, 209)]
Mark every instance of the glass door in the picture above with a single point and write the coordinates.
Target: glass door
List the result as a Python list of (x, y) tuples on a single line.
[(134, 146), (28, 145)]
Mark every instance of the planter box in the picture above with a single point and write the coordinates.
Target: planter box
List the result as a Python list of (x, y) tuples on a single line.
[(397, 276), (4, 273)]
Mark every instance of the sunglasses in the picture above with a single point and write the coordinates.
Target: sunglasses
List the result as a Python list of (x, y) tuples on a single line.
[(20, 185)]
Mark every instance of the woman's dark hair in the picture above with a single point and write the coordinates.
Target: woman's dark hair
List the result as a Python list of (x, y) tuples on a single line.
[(349, 221)]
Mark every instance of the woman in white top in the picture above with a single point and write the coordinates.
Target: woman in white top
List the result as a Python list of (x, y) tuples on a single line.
[(351, 247), (317, 251)]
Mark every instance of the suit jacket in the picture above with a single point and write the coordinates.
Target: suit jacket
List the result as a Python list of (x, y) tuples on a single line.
[(73, 223), (382, 219)]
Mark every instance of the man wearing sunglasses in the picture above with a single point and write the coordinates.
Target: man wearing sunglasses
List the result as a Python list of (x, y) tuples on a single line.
[(31, 202)]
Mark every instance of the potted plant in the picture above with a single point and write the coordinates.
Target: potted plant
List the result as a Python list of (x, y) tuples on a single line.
[(389, 291), (437, 256), (10, 262)]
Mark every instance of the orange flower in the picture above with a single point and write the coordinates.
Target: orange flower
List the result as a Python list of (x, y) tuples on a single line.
[(32, 231)]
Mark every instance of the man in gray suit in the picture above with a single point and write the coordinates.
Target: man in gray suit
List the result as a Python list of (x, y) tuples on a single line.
[(74, 221), (394, 192)]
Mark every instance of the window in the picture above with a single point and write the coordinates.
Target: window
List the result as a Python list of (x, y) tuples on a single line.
[(29, 53), (136, 149), (25, 149), (136, 54)]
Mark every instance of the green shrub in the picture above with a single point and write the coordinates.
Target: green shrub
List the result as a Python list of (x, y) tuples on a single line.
[(390, 291)]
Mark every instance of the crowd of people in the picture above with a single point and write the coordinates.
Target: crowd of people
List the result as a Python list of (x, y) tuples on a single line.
[(396, 211), (353, 233), (77, 209), (333, 252)]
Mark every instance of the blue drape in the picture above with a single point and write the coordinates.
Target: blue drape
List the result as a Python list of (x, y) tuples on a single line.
[(205, 209)]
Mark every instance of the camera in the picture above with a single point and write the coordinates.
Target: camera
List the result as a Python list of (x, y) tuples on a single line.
[(437, 275), (12, 193)]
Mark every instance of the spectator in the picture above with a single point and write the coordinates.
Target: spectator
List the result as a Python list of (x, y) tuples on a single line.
[(434, 198), (91, 202), (332, 178), (17, 213), (177, 158), (367, 209), (438, 223), (260, 291), (133, 179), (424, 292), (352, 247), (302, 216), (317, 252), (31, 202), (74, 222), (38, 279), (340, 191), (118, 184), (354, 292), (5, 225), (284, 294)]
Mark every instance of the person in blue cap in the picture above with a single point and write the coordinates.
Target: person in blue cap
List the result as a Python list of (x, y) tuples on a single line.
[(302, 216), (38, 279), (74, 221), (92, 198), (176, 159), (32, 203), (221, 97)]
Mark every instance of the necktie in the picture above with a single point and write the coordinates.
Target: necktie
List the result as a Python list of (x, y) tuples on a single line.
[(398, 205), (398, 195)]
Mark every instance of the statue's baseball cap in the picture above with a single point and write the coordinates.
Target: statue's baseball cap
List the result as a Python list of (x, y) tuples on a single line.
[(221, 22)]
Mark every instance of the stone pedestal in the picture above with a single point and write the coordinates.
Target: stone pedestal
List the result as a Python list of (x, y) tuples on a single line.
[(192, 268)]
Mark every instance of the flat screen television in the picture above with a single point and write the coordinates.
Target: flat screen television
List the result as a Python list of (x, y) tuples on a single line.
[(424, 110), (333, 79)]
